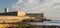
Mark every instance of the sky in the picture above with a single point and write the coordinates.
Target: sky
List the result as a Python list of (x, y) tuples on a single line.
[(6, 4), (50, 8)]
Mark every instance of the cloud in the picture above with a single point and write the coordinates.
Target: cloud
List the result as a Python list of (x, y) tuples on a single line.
[(32, 5), (49, 7), (21, 3)]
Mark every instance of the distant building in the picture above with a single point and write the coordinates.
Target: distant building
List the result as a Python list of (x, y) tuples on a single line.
[(37, 15)]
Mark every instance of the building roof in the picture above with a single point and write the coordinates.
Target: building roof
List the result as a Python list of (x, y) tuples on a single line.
[(36, 14), (15, 14), (9, 13)]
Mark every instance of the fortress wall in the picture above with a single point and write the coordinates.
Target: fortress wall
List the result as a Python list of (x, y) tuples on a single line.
[(12, 18)]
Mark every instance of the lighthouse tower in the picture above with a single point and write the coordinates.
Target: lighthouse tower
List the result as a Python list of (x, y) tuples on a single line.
[(6, 10)]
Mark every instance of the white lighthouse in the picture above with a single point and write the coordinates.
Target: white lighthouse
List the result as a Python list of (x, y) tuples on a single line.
[(6, 10)]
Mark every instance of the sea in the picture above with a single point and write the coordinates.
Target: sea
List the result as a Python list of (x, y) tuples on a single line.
[(46, 23)]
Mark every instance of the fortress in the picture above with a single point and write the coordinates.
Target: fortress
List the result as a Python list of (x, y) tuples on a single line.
[(7, 19)]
